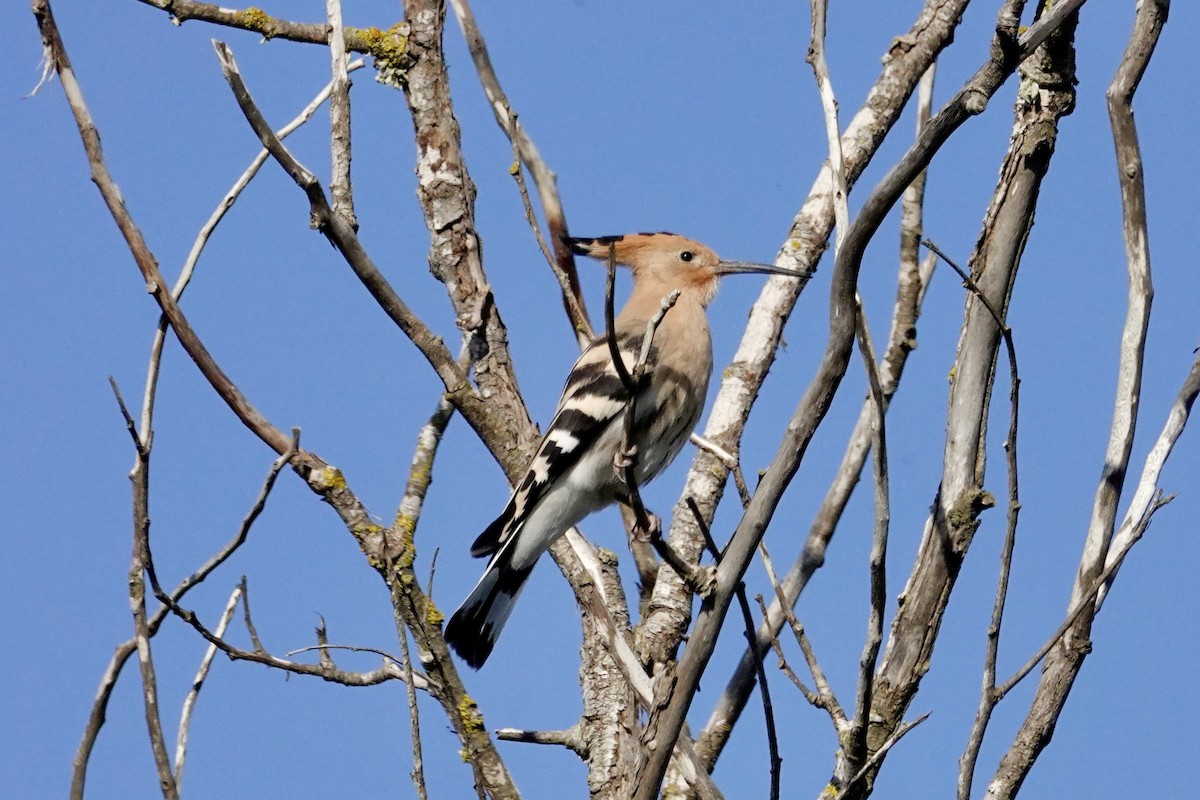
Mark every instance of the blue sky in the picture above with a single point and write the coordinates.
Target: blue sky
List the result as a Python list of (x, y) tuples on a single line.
[(703, 120)]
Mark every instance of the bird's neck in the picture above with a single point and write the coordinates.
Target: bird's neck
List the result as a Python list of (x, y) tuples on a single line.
[(649, 294)]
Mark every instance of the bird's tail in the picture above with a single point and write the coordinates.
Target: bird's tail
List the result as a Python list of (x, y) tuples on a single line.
[(473, 629)]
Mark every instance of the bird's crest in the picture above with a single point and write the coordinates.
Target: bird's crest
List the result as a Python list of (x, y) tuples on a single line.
[(627, 246)]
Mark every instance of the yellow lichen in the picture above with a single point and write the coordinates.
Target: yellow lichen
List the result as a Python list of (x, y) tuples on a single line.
[(390, 49), (468, 713), (406, 525), (433, 614), (257, 20), (333, 478)]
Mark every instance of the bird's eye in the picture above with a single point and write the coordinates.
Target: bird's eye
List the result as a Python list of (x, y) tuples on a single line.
[(686, 255)]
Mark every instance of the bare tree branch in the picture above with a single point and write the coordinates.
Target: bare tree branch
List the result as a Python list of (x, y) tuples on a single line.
[(774, 760), (343, 237), (206, 231), (414, 719), (140, 566), (568, 738), (786, 668), (360, 40), (137, 244), (855, 745), (1148, 24), (125, 649), (825, 698), (829, 108), (571, 293), (325, 670), (189, 702), (447, 197), (988, 696), (879, 754), (339, 118)]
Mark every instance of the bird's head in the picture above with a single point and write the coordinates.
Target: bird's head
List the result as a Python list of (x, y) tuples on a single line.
[(670, 261)]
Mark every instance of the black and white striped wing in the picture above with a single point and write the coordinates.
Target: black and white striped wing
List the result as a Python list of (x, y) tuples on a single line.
[(591, 400)]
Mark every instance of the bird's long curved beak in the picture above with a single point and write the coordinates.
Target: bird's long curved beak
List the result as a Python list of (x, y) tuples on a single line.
[(744, 267)]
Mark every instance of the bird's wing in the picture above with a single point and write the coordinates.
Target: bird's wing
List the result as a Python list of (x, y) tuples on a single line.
[(592, 398)]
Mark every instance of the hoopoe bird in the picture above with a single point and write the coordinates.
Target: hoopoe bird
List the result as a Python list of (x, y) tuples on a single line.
[(577, 468)]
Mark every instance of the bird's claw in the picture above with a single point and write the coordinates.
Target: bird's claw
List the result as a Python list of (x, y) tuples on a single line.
[(625, 458), (652, 530)]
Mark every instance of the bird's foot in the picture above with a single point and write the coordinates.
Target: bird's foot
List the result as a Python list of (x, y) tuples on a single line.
[(624, 458), (703, 580), (652, 531)]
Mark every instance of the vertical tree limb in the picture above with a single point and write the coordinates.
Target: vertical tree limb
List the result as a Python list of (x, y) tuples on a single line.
[(339, 118)]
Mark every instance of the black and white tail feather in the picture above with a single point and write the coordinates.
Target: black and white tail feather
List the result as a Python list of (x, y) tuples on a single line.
[(570, 477)]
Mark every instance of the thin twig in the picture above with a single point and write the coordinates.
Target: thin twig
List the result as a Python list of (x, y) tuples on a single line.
[(568, 738), (731, 463), (138, 570), (786, 668), (189, 702), (324, 647), (825, 698), (829, 109), (857, 735), (1134, 529), (775, 761), (544, 178), (571, 294), (988, 697), (879, 754), (414, 718), (206, 231), (142, 447)]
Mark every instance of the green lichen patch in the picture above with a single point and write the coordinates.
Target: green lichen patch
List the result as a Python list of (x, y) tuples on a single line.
[(390, 48), (256, 19), (469, 715)]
